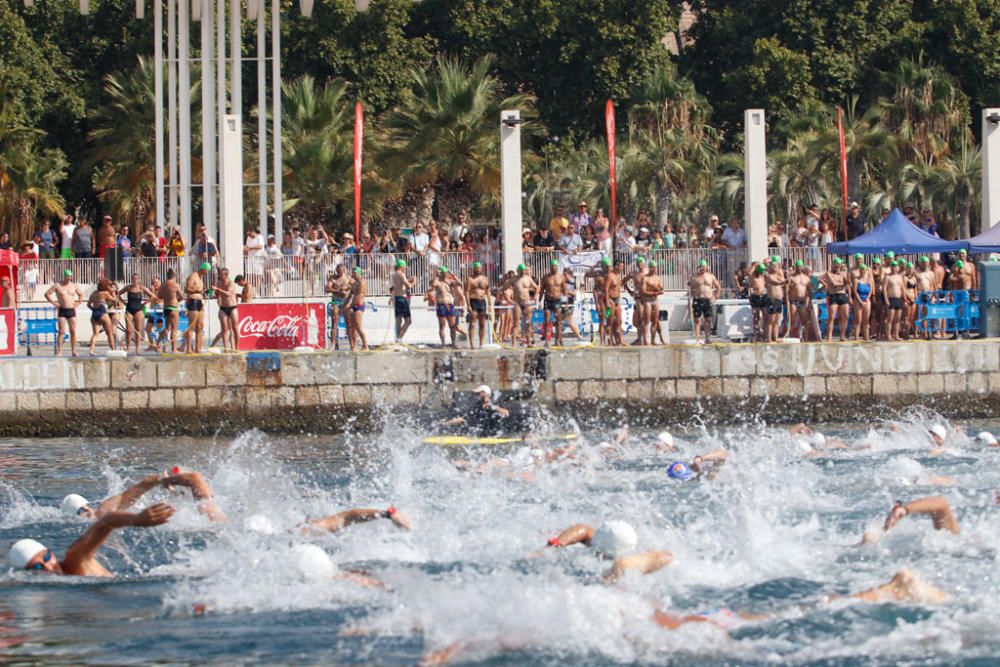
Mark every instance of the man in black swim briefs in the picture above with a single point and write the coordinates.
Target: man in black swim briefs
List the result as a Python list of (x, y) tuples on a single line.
[(68, 296)]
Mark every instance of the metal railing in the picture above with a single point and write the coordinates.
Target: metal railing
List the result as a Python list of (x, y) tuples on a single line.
[(35, 276)]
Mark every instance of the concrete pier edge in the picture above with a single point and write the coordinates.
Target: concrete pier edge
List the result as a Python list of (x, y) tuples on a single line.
[(289, 392)]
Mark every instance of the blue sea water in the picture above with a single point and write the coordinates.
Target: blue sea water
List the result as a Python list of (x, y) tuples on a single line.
[(775, 534)]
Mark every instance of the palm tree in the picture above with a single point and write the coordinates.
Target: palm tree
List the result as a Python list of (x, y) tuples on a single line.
[(956, 183), (443, 138)]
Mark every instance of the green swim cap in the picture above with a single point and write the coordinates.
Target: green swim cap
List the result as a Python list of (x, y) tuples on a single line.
[(521, 267), (357, 269), (890, 254), (205, 266), (960, 264), (606, 261), (876, 260), (862, 266), (652, 263), (477, 264), (761, 268), (799, 262), (924, 258), (775, 258), (640, 260), (858, 255), (909, 265), (554, 262), (67, 274), (837, 260), (962, 252), (400, 263), (703, 262), (441, 269)]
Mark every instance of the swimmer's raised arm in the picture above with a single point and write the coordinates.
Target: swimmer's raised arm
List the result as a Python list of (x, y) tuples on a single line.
[(579, 533), (905, 586), (936, 507), (127, 498), (200, 489), (646, 562), (342, 520), (80, 557)]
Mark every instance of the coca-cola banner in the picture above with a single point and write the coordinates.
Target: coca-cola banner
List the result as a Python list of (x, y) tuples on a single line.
[(281, 326)]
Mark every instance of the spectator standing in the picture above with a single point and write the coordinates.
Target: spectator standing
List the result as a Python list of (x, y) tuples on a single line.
[(734, 236), (460, 228), (812, 216), (205, 249), (643, 240), (66, 230), (298, 243), (527, 244), (83, 240), (587, 236), (420, 240), (559, 224), (161, 241), (147, 245), (669, 238), (106, 236), (124, 242), (855, 221), (626, 241), (570, 243), (543, 239), (581, 219), (46, 240), (713, 233), (175, 246), (5, 241), (826, 234)]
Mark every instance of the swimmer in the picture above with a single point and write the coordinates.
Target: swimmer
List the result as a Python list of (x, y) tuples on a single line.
[(78, 506), (813, 442), (938, 434), (615, 541), (665, 442), (341, 520), (81, 557), (988, 439), (936, 507), (703, 464)]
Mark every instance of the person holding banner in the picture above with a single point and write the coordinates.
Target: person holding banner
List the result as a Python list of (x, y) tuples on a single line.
[(477, 286), (553, 297)]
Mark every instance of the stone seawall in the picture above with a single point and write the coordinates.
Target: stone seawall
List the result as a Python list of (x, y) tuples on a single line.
[(326, 392)]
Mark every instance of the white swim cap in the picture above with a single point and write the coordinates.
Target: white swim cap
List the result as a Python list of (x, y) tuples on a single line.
[(483, 389), (72, 504), (312, 562), (258, 523), (939, 430), (986, 438), (817, 440), (614, 539), (23, 551), (665, 438)]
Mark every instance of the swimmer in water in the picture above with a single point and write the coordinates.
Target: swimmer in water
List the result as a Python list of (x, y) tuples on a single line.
[(78, 506), (703, 465), (813, 443), (615, 541), (936, 507), (938, 434), (81, 557), (341, 520), (988, 439)]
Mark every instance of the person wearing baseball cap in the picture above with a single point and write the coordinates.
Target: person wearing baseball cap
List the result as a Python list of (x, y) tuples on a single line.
[(855, 221)]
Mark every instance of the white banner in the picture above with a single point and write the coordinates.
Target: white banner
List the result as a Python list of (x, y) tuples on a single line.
[(581, 262)]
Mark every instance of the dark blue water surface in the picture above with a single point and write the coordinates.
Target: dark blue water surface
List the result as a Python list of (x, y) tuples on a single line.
[(775, 534)]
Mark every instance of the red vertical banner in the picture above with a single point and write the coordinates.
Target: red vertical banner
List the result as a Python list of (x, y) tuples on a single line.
[(843, 166), (609, 120), (359, 139)]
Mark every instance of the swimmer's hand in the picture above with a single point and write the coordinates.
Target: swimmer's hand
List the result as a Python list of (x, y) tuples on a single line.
[(157, 515), (895, 515), (399, 519)]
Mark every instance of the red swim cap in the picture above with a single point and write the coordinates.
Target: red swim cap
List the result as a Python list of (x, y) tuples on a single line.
[(176, 470)]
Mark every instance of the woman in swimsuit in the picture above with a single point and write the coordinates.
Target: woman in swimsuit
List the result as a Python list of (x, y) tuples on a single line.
[(909, 301), (99, 319), (135, 311), (862, 288)]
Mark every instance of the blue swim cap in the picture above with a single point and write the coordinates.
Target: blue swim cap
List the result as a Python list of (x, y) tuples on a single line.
[(679, 470)]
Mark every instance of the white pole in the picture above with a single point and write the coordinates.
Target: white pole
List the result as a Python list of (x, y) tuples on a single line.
[(231, 241), (991, 167), (158, 107), (207, 116), (236, 58), (220, 90), (510, 187), (172, 109), (755, 182), (276, 113), (261, 115), (184, 109)]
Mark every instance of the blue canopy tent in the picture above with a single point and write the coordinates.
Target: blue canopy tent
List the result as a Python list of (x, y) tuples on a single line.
[(897, 234), (988, 241)]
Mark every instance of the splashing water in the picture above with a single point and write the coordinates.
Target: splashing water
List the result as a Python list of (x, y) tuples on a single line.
[(773, 534)]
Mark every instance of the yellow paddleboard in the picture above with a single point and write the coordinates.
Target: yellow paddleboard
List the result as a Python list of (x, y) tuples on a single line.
[(465, 441)]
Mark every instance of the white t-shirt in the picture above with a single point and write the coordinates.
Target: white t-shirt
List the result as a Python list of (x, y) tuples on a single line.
[(734, 238), (255, 245), (67, 235), (273, 251), (297, 243), (420, 242)]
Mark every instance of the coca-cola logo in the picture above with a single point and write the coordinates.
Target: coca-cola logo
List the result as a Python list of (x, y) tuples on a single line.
[(280, 326)]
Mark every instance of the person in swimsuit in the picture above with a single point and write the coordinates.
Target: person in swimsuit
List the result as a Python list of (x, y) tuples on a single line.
[(136, 295), (633, 285), (99, 319), (504, 293), (226, 293), (600, 277), (703, 290), (477, 286), (893, 286), (926, 284), (774, 281), (194, 293), (569, 305), (458, 294), (400, 292), (613, 298), (525, 288), (879, 310), (338, 285), (861, 288), (757, 293), (909, 301), (441, 296), (649, 296), (170, 295), (354, 307), (838, 301), (800, 308), (552, 293), (67, 296)]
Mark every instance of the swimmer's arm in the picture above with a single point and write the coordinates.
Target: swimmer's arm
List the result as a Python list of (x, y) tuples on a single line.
[(579, 533), (344, 519), (48, 293), (454, 421), (936, 507), (200, 489), (800, 429), (84, 549), (127, 498), (645, 562), (719, 456)]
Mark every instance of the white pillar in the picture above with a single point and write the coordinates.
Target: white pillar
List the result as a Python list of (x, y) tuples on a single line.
[(172, 109), (231, 233), (755, 182), (235, 57), (510, 188), (158, 109), (276, 113), (208, 147), (184, 113), (215, 229), (991, 167), (261, 115)]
